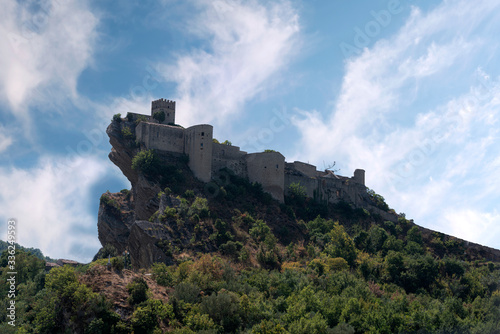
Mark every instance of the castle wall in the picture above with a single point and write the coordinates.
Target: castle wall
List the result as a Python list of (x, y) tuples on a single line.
[(335, 189), (308, 183), (227, 156), (198, 145), (267, 168), (161, 137), (329, 187), (306, 169)]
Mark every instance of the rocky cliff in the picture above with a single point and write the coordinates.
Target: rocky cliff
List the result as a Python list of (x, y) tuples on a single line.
[(127, 220)]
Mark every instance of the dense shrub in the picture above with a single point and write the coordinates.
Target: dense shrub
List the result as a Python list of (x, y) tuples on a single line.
[(117, 263), (149, 316), (231, 248), (199, 207), (186, 292), (137, 289), (162, 274), (378, 200), (224, 309), (127, 133), (146, 162)]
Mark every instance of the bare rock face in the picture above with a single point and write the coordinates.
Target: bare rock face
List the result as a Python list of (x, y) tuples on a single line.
[(114, 221), (122, 152), (145, 197), (147, 244), (146, 241), (121, 155)]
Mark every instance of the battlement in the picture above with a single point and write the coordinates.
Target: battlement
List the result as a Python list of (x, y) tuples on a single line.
[(162, 103)]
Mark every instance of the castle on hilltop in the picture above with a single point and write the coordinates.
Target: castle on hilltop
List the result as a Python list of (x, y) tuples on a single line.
[(207, 158)]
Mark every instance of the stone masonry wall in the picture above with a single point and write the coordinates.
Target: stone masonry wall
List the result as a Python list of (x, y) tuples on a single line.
[(198, 145), (327, 186), (267, 168), (304, 168), (167, 106), (227, 156), (161, 137)]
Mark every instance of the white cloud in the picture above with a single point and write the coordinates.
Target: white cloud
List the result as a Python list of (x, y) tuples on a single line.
[(51, 204), (375, 123), (140, 104), (472, 225), (5, 141), (43, 51), (249, 43), (373, 82)]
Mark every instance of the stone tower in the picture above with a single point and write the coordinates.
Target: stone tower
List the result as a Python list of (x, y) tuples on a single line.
[(359, 176), (167, 106), (198, 146)]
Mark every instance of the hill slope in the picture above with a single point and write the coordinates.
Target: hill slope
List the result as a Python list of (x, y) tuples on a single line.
[(183, 257)]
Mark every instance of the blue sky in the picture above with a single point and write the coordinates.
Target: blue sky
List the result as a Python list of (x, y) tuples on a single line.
[(407, 90)]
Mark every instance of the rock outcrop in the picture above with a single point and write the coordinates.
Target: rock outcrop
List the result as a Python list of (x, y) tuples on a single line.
[(146, 241), (127, 220), (114, 221), (122, 218)]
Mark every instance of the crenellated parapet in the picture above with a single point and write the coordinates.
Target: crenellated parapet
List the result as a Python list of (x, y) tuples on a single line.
[(162, 103)]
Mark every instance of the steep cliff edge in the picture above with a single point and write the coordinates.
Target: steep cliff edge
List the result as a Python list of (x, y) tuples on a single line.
[(123, 151)]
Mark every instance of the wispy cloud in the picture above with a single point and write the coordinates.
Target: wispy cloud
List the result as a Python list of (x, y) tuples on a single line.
[(5, 139), (43, 50), (248, 44), (51, 203), (417, 158)]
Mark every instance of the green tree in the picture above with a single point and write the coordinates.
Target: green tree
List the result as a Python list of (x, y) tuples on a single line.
[(146, 162), (224, 309), (199, 207), (340, 244), (414, 235), (312, 324), (149, 315), (67, 304), (162, 274), (159, 116)]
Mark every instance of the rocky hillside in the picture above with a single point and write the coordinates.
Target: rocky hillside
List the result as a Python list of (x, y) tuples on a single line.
[(168, 212)]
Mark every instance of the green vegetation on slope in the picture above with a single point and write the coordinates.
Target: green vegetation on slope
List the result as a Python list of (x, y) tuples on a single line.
[(384, 279), (243, 263)]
